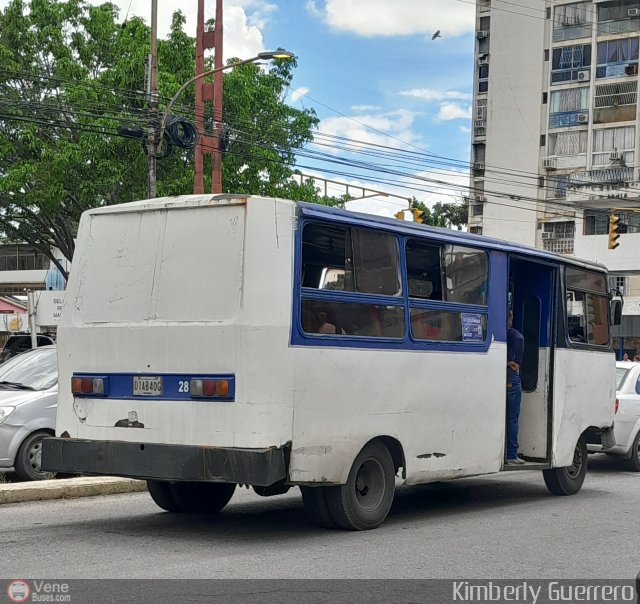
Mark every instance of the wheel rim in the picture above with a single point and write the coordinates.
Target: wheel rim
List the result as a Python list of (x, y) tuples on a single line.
[(35, 458), (575, 469), (370, 484)]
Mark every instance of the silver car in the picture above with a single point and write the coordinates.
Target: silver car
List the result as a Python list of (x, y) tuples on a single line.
[(28, 401), (626, 427)]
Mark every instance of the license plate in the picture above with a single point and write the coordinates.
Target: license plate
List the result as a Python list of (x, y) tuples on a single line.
[(145, 385)]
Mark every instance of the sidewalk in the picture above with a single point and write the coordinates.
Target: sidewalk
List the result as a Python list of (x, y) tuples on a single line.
[(67, 488)]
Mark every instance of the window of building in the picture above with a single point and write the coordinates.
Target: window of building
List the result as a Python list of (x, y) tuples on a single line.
[(571, 21), (573, 142), (596, 222), (617, 58), (481, 109), (608, 141), (557, 186), (22, 258), (477, 209), (569, 107), (570, 62), (483, 78), (587, 307), (485, 23), (558, 237), (618, 282), (478, 157), (615, 102), (613, 17)]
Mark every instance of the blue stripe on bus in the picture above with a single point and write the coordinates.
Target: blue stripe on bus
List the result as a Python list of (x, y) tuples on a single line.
[(120, 386)]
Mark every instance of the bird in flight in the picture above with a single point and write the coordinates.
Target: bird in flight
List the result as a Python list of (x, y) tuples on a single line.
[(436, 35)]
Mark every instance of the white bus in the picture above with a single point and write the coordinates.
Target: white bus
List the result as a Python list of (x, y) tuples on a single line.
[(210, 341)]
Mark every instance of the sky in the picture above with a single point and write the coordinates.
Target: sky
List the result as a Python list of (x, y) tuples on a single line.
[(373, 74)]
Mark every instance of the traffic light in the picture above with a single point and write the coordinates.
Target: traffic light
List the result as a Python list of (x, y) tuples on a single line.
[(399, 215), (614, 231), (417, 215)]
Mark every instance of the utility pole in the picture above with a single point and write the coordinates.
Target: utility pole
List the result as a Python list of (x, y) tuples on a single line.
[(211, 92), (216, 177), (152, 142)]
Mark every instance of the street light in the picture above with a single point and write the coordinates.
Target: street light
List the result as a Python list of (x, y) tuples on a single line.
[(261, 56)]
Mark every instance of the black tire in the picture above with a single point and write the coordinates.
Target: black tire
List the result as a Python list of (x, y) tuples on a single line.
[(162, 495), (202, 497), (633, 463), (315, 506), (568, 480), (364, 502), (28, 463)]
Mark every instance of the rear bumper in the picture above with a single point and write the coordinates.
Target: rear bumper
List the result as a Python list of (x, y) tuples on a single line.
[(260, 467)]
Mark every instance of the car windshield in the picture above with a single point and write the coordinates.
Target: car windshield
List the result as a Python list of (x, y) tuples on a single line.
[(621, 373), (36, 370)]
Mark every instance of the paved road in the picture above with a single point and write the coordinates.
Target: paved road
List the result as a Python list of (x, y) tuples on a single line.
[(502, 526)]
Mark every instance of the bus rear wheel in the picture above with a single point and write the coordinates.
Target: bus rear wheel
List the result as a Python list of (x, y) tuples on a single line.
[(365, 500), (568, 480), (633, 463), (202, 497), (161, 494)]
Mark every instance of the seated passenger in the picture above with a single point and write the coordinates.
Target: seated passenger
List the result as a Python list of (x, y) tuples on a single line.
[(325, 326)]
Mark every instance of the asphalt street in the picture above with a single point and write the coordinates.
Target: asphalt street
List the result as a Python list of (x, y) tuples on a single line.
[(500, 526)]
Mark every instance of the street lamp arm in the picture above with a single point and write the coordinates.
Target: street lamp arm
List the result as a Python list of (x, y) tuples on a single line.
[(278, 54)]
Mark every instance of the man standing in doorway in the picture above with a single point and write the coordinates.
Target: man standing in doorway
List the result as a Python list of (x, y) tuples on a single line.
[(515, 348)]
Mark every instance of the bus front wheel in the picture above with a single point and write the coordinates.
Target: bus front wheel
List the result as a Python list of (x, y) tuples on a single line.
[(202, 497), (161, 494), (365, 500), (568, 480)]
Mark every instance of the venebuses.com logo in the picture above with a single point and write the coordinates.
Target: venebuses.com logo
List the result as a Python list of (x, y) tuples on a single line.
[(18, 591)]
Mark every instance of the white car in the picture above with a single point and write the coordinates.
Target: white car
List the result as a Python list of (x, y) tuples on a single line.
[(626, 428)]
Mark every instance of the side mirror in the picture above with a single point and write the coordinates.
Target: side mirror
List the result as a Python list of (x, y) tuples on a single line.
[(616, 312)]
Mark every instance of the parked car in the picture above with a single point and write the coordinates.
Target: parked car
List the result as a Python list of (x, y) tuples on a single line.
[(626, 428), (21, 343), (28, 401)]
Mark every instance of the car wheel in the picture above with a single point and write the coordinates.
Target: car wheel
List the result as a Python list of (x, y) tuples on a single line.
[(568, 480), (202, 497), (28, 464), (633, 463), (162, 495), (365, 500)]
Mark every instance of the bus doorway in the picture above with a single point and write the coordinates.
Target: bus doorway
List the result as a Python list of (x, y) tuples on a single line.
[(532, 291)]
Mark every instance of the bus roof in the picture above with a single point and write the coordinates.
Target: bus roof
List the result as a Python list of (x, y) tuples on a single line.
[(346, 216), (460, 237)]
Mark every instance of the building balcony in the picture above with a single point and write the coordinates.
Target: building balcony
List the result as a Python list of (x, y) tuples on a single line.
[(616, 186)]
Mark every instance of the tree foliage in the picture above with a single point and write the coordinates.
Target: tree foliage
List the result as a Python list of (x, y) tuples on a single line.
[(71, 75), (448, 215)]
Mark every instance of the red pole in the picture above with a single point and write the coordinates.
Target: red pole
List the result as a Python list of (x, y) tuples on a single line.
[(198, 177), (216, 180)]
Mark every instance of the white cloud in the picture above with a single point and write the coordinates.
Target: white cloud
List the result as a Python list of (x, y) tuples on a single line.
[(464, 129), (391, 129), (359, 108), (313, 9), (453, 111), (429, 94), (299, 92), (401, 17), (244, 21)]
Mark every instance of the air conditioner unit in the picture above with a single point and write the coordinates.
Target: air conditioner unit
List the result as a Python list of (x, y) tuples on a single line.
[(482, 34), (615, 156), (583, 118), (483, 60), (631, 69), (584, 75), (548, 235), (633, 12), (549, 163), (478, 167), (481, 198)]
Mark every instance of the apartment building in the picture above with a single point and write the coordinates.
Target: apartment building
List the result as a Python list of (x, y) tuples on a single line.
[(556, 133)]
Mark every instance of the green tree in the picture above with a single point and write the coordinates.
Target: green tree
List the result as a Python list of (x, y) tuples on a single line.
[(71, 76), (446, 215)]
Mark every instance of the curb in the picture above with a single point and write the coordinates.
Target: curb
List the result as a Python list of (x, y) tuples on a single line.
[(68, 488)]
